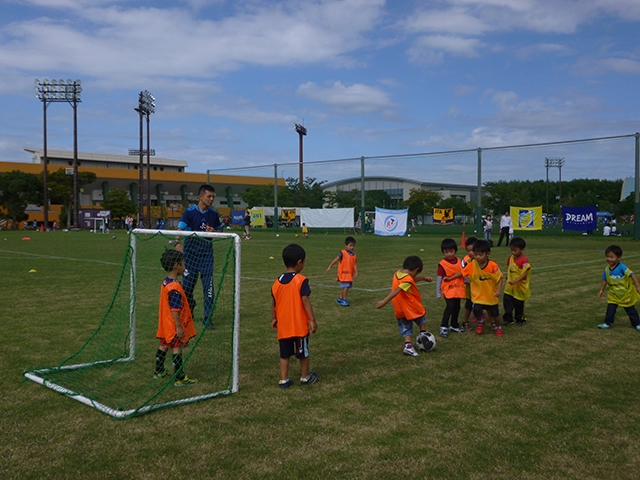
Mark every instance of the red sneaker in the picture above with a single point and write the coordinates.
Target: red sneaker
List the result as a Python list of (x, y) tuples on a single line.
[(479, 326), (499, 332)]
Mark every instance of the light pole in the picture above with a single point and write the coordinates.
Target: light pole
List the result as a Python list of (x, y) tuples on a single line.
[(302, 131), (554, 162), (60, 91), (146, 106)]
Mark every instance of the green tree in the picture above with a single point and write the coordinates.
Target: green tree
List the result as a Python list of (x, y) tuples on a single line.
[(460, 207), (258, 195), (310, 195), (421, 202), (17, 190), (119, 203), (61, 186)]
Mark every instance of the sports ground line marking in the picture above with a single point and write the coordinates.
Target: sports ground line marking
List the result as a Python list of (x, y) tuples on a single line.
[(320, 285)]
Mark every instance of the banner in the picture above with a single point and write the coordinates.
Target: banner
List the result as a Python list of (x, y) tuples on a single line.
[(526, 218), (327, 217), (257, 217), (443, 216), (237, 217), (390, 222), (579, 218), (288, 214)]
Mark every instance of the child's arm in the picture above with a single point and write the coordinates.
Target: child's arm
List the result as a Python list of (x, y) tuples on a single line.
[(335, 260), (388, 298), (454, 276), (176, 318), (519, 279), (355, 270), (635, 280), (423, 279), (604, 284), (274, 319), (313, 326), (499, 287)]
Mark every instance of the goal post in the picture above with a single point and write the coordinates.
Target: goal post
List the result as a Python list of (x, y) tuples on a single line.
[(113, 371)]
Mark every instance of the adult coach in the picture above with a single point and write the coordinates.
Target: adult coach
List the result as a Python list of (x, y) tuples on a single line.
[(505, 228), (198, 253)]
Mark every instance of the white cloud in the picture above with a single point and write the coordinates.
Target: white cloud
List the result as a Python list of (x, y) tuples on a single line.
[(356, 99), (119, 42)]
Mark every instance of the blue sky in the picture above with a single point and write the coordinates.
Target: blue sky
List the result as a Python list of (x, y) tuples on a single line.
[(366, 77)]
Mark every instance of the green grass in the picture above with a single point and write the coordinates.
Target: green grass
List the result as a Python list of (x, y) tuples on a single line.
[(557, 398)]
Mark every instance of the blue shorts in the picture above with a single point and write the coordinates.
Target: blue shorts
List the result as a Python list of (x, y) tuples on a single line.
[(298, 346), (346, 284), (406, 326)]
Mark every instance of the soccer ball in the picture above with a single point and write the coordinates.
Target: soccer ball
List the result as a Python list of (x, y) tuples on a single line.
[(277, 234), (426, 341), (296, 235), (408, 235)]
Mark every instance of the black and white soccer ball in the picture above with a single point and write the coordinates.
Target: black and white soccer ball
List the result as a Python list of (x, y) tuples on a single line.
[(426, 341)]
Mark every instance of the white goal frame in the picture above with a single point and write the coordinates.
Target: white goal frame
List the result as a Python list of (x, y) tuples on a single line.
[(35, 375)]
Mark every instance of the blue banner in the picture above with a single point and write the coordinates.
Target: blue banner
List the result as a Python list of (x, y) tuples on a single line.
[(579, 218), (237, 217)]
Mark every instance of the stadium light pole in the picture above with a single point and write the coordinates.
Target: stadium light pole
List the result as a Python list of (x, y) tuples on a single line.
[(146, 106), (554, 162), (60, 91), (302, 131)]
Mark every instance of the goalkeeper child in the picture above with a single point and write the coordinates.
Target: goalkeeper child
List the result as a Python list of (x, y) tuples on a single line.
[(175, 322)]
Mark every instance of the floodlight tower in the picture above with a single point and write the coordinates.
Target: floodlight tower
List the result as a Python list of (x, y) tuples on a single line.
[(146, 106), (60, 91), (302, 131), (555, 162)]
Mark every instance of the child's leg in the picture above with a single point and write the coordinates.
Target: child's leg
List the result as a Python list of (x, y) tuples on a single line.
[(446, 315), (345, 291), (508, 302), (284, 369), (519, 308), (455, 312), (160, 356), (304, 367), (633, 316), (177, 363), (611, 313)]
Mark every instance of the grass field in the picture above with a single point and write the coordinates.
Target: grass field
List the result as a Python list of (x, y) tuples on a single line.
[(557, 398)]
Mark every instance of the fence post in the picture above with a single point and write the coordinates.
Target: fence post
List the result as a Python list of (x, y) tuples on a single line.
[(479, 204)]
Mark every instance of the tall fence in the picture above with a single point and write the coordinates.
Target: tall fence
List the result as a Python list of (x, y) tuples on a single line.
[(611, 157)]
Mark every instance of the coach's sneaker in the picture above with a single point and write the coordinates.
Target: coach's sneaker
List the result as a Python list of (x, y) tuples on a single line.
[(186, 381), (479, 326), (311, 378), (162, 374), (506, 322), (604, 326), (284, 384), (409, 350), (444, 332), (456, 329)]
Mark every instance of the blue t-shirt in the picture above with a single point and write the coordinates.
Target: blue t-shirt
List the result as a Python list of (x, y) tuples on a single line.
[(195, 220), (617, 273), (175, 299)]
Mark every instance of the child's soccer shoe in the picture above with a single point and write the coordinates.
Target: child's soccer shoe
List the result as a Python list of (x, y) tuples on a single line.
[(444, 332), (410, 351), (604, 326), (285, 384), (479, 326), (311, 378), (186, 381)]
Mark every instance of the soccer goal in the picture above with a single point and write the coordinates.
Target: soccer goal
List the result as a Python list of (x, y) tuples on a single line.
[(113, 371)]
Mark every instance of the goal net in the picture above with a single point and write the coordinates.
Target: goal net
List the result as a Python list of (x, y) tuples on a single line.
[(113, 371)]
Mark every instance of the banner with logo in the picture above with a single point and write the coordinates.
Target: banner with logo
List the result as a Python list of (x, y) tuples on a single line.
[(257, 217), (237, 217), (288, 214), (526, 218), (390, 222), (579, 218), (443, 216)]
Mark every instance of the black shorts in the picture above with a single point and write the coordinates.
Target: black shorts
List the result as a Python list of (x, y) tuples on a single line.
[(298, 346), (492, 310)]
